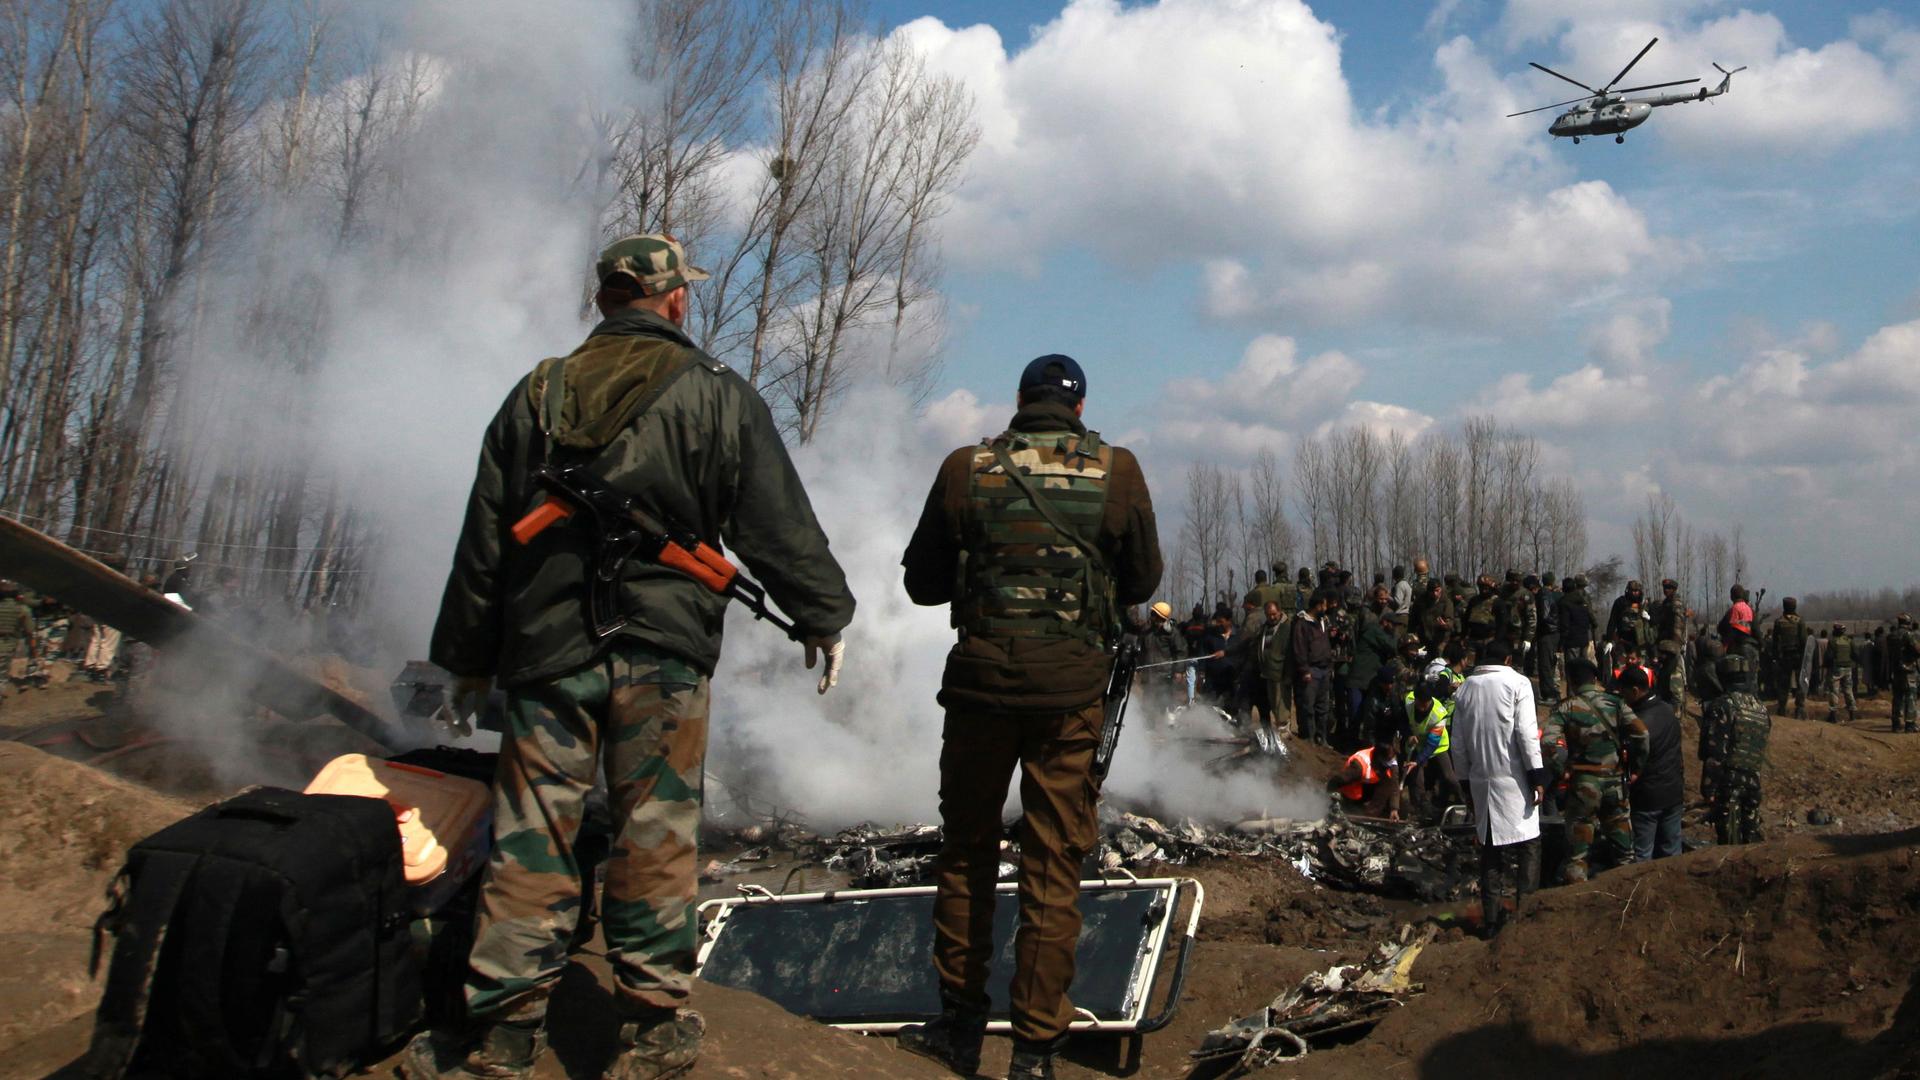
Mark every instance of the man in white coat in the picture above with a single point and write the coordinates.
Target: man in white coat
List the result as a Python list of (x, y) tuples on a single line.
[(1496, 751)]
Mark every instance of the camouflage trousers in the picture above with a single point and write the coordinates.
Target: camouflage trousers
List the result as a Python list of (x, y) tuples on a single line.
[(1672, 670), (643, 715), (1840, 689), (1596, 811), (1736, 807), (1905, 686)]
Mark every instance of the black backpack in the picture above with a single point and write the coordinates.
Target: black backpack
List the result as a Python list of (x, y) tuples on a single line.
[(265, 936)]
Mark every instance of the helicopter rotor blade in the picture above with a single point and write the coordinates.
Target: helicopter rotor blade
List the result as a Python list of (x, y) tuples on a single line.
[(1629, 67), (1557, 75), (1654, 86), (1544, 108)]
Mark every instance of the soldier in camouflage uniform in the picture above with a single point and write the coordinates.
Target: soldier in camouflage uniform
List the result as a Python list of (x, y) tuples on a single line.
[(17, 633), (1787, 643), (1033, 538), (1670, 615), (1734, 728), (689, 439), (1840, 650), (1903, 656), (1604, 742)]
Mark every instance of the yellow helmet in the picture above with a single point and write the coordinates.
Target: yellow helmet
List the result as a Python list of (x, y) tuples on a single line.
[(1163, 609)]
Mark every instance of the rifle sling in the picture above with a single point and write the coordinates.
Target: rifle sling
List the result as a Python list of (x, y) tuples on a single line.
[(1046, 508)]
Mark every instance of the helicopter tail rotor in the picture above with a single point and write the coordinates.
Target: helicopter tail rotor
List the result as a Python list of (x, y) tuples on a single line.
[(1726, 82)]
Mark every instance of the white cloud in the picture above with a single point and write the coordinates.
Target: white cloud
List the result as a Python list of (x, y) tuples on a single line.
[(1793, 97), (1221, 134)]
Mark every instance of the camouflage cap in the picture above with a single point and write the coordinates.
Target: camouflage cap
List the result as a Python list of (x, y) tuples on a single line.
[(656, 261)]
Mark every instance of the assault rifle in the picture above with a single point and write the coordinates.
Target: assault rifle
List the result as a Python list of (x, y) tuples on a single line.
[(622, 530), (1119, 689)]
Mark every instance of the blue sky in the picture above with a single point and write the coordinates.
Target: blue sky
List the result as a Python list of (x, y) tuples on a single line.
[(1740, 263)]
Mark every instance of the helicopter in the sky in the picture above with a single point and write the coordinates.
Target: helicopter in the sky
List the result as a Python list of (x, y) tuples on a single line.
[(1606, 112)]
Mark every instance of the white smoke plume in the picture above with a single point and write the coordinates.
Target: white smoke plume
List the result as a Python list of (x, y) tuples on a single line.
[(476, 271)]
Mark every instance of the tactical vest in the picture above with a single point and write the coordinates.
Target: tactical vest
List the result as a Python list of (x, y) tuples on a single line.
[(1840, 653), (1790, 638), (1021, 573), (1748, 725)]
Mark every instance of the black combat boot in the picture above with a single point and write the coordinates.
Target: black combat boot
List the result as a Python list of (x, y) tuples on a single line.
[(1033, 1060), (659, 1045), (952, 1040), (499, 1052)]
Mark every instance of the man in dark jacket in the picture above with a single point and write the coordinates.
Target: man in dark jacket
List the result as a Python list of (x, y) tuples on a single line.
[(1035, 538), (1313, 669), (688, 439), (1658, 794)]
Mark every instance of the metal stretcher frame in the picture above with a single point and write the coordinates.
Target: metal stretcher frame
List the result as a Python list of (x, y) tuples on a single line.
[(715, 913)]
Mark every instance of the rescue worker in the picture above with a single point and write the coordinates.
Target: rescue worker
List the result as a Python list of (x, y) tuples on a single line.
[(1162, 643), (1430, 715), (691, 440), (18, 635), (1903, 660), (1605, 740), (1734, 728), (1037, 539), (1840, 666), (1787, 642), (1369, 781)]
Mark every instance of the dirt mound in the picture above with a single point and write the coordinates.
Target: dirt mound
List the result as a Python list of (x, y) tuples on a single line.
[(64, 829), (1781, 959)]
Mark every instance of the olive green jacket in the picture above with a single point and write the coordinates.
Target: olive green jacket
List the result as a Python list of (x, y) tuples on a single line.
[(706, 454)]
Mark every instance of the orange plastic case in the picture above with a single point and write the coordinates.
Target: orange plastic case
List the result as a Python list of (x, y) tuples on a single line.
[(443, 820)]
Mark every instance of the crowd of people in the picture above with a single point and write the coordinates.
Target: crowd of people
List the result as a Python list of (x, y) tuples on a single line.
[(1433, 689)]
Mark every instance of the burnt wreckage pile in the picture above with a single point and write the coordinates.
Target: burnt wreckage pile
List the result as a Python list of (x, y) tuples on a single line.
[(1389, 859)]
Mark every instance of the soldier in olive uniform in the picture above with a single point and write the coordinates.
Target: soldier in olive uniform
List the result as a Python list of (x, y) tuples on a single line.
[(1840, 665), (692, 441), (1903, 658), (1670, 614), (1734, 728), (1036, 538), (1485, 613), (1605, 742), (1787, 643), (17, 633)]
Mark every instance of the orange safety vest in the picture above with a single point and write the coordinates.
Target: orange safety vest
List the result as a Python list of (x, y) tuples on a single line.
[(1369, 776)]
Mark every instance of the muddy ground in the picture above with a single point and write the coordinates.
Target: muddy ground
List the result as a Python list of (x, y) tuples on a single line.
[(1788, 958)]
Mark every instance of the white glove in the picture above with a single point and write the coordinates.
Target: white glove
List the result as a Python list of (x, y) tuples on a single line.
[(834, 649)]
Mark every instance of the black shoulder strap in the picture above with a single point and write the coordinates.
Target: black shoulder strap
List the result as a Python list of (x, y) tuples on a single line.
[(138, 920), (1045, 505)]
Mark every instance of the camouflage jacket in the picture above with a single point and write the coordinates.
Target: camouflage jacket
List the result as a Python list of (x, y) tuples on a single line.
[(1733, 732), (1521, 615), (1602, 734), (1670, 623), (16, 627), (1903, 648), (706, 454), (1031, 674)]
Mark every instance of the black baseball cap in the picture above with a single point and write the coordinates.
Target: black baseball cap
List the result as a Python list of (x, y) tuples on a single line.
[(1057, 370)]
